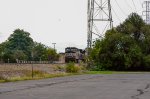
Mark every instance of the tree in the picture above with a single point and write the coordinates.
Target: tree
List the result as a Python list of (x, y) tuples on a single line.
[(18, 46), (42, 52), (132, 25), (19, 54), (38, 51), (20, 40), (126, 47), (21, 46)]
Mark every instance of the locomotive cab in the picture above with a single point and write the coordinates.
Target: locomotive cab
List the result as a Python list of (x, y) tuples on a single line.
[(71, 54)]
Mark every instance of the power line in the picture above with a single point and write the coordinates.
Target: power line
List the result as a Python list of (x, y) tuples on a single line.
[(134, 5), (128, 4), (116, 15), (140, 2), (120, 8)]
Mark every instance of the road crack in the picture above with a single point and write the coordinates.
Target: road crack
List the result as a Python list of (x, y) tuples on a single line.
[(141, 92), (49, 84)]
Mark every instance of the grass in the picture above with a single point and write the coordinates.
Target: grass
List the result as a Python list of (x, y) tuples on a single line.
[(40, 75), (99, 72), (114, 72), (44, 76)]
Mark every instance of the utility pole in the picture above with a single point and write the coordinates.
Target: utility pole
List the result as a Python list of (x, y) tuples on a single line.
[(99, 14), (146, 12), (54, 45), (99, 11)]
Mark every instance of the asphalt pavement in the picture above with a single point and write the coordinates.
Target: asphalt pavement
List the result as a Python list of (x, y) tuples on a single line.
[(103, 86)]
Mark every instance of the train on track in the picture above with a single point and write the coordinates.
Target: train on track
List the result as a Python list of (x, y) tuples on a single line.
[(73, 54)]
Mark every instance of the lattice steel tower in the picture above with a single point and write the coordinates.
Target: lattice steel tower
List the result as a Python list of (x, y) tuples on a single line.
[(99, 11), (146, 13)]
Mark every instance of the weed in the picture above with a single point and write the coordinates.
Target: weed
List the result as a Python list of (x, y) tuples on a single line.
[(71, 68)]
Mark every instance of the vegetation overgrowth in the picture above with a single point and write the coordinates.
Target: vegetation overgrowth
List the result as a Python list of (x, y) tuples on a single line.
[(59, 71), (36, 77), (20, 46), (124, 48), (72, 68)]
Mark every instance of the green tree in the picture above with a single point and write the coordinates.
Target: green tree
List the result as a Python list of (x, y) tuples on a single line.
[(21, 46), (20, 40), (19, 54), (42, 52), (38, 51), (19, 43), (125, 47), (132, 25)]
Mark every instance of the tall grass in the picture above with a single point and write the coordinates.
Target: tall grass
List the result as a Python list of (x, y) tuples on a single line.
[(72, 68)]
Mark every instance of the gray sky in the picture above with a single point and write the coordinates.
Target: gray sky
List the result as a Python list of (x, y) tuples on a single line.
[(61, 21)]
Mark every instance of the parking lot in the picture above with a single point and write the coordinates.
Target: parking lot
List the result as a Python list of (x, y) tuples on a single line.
[(103, 86)]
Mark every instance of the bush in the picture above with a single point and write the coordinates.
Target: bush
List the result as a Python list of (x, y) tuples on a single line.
[(38, 73), (147, 62), (4, 78), (71, 68), (59, 68)]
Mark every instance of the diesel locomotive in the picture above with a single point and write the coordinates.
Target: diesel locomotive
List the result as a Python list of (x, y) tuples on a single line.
[(73, 54)]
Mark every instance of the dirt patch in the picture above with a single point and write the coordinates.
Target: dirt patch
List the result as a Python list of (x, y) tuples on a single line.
[(19, 70)]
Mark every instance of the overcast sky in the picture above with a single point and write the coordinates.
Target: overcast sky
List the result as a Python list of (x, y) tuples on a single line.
[(63, 22)]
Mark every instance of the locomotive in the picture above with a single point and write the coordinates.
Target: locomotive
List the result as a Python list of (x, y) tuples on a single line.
[(73, 54)]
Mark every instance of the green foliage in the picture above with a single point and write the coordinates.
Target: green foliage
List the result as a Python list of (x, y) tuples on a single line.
[(3, 78), (147, 62), (59, 68), (19, 54), (125, 47), (20, 40), (37, 73), (22, 47), (42, 52), (18, 46), (71, 68)]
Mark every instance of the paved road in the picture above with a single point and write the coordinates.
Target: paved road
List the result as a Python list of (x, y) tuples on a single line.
[(116, 86)]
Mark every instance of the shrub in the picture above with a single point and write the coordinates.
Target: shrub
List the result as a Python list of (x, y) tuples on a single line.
[(36, 73), (59, 68), (2, 77), (147, 62), (71, 68)]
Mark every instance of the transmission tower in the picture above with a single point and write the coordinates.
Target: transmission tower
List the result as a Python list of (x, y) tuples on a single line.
[(99, 11), (146, 12)]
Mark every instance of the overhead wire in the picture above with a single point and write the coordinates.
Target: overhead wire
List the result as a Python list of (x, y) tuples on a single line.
[(134, 5), (140, 2), (128, 4), (116, 15), (120, 8)]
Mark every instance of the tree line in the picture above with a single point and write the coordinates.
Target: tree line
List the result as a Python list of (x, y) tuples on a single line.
[(20, 46), (125, 47)]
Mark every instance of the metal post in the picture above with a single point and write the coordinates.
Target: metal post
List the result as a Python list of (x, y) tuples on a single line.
[(146, 12), (32, 64), (54, 45), (99, 11), (32, 71), (8, 60)]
